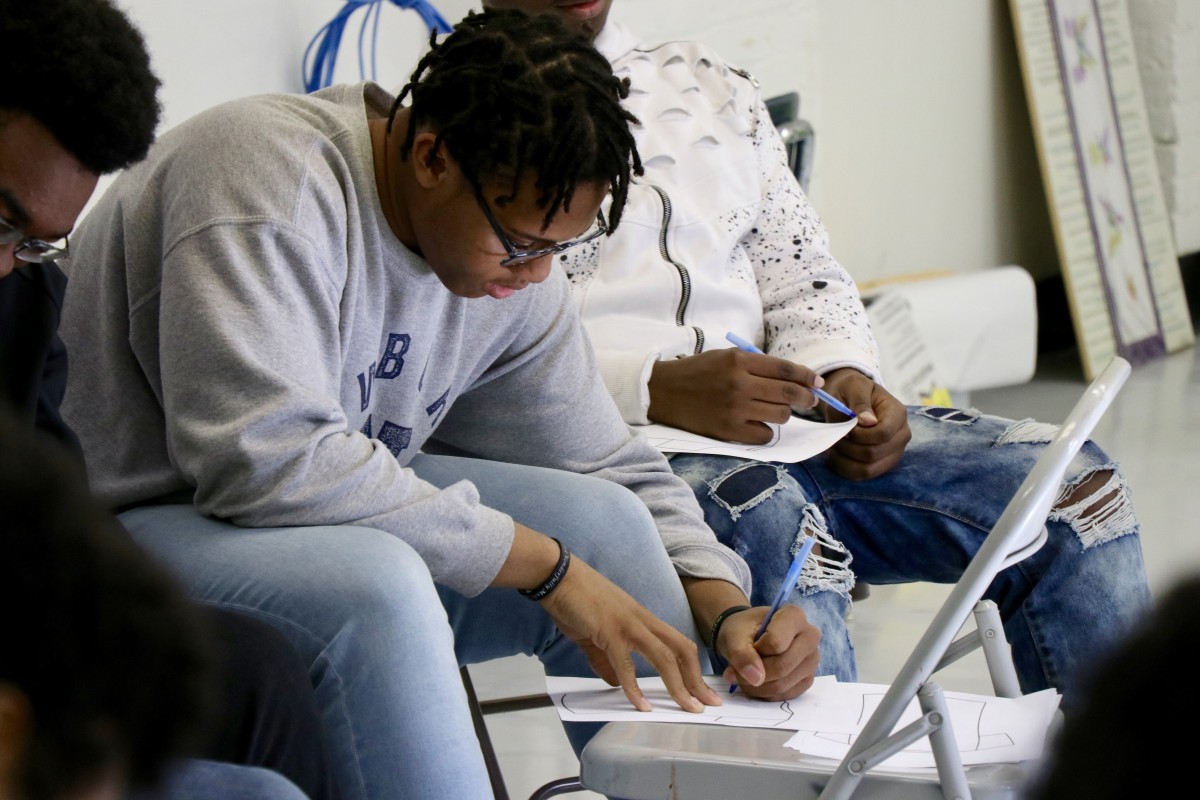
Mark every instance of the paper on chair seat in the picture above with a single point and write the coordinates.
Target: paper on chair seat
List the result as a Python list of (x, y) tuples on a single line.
[(828, 716), (988, 729)]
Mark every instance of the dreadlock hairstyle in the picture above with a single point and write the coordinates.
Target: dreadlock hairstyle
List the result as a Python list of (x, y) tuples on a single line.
[(510, 95)]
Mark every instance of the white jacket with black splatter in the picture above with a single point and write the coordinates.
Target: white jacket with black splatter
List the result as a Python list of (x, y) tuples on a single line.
[(716, 237)]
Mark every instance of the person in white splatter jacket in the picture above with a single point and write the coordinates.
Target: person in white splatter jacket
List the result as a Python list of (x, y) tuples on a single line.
[(719, 237)]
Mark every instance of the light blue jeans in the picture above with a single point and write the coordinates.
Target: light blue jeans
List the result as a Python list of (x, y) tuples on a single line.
[(197, 779), (1063, 607), (384, 644)]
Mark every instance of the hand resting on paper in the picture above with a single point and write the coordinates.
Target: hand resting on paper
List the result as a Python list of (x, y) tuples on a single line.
[(728, 394), (609, 626), (780, 665), (876, 444)]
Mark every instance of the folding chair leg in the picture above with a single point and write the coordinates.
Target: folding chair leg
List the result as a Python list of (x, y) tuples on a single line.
[(485, 739), (945, 748), (996, 650), (557, 787), (478, 709)]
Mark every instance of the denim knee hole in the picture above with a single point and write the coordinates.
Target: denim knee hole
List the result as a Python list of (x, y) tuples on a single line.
[(1097, 506), (823, 571), (745, 486), (956, 416), (1027, 431)]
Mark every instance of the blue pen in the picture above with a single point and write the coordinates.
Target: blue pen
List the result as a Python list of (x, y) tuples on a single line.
[(742, 344), (785, 588)]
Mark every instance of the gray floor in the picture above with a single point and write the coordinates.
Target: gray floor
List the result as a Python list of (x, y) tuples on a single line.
[(1151, 429)]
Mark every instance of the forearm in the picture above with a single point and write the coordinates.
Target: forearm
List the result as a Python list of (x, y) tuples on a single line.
[(708, 598), (812, 309), (530, 561)]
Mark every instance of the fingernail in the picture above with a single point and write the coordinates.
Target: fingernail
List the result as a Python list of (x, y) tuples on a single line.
[(754, 676)]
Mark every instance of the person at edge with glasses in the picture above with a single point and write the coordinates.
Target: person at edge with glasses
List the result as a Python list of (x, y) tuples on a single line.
[(29, 249), (323, 364), (79, 99)]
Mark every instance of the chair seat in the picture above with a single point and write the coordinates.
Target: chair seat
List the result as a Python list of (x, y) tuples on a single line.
[(653, 761)]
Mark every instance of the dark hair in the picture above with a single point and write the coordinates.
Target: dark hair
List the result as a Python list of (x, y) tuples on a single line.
[(510, 94), (1138, 703), (110, 655), (80, 68)]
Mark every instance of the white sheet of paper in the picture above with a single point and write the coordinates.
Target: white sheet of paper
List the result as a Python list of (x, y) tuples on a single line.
[(795, 440), (828, 716), (989, 730), (593, 700)]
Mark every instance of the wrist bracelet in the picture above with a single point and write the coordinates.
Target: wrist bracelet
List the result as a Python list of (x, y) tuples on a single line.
[(560, 570), (719, 621)]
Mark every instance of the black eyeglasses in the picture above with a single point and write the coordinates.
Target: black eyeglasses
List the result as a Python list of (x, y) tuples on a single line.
[(517, 256), (34, 251)]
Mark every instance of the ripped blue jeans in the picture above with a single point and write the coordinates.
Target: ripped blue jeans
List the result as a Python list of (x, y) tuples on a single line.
[(1063, 607)]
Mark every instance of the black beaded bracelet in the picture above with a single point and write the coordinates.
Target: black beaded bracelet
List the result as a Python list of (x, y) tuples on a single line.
[(560, 570), (719, 621)]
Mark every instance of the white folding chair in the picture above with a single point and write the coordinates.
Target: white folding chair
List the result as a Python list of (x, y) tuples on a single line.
[(652, 761)]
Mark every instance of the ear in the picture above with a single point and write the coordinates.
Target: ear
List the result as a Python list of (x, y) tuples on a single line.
[(16, 721), (438, 170)]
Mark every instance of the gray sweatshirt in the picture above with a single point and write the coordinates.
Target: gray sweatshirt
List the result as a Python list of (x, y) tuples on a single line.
[(246, 331)]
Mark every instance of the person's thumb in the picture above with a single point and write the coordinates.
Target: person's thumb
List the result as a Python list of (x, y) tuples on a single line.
[(745, 667)]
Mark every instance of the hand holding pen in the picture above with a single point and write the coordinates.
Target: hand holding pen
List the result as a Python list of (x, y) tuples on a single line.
[(785, 589), (822, 395)]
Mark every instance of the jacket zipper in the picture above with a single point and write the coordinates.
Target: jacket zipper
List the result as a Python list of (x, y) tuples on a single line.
[(684, 278)]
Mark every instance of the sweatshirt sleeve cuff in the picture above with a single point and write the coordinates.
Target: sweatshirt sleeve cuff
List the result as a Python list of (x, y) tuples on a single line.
[(626, 374)]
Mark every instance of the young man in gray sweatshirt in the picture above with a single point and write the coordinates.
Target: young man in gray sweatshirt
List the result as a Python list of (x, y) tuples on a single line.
[(288, 315)]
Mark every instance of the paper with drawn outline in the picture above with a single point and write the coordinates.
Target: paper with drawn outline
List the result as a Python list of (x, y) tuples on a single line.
[(829, 716), (795, 440)]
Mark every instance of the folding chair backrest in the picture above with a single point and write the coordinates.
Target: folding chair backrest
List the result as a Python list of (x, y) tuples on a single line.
[(1020, 525), (645, 761), (797, 134)]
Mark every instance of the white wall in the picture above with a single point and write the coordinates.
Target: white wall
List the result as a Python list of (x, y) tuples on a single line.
[(924, 156), (1167, 37), (214, 50)]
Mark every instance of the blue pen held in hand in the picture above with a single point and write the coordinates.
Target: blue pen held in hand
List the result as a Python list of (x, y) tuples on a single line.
[(785, 588), (742, 344)]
